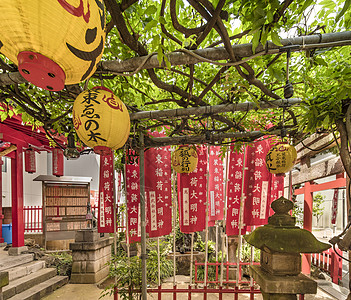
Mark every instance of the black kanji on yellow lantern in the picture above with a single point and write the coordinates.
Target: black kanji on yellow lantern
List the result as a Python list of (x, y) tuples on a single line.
[(101, 120), (184, 159), (53, 42), (281, 158)]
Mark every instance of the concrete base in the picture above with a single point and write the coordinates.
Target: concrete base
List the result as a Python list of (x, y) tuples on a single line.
[(90, 254), (274, 285), (14, 251)]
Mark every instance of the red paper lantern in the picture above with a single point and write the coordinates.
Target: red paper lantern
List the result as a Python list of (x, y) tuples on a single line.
[(29, 161), (57, 162)]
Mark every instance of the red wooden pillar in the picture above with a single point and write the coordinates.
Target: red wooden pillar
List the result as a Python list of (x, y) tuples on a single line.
[(17, 199), (307, 224), (1, 215)]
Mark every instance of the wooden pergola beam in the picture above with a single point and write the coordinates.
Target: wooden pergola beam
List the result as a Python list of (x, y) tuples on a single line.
[(203, 139), (183, 57), (214, 109)]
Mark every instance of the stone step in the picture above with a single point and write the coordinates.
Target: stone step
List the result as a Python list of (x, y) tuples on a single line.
[(26, 269), (21, 284), (41, 289), (14, 261), (333, 289)]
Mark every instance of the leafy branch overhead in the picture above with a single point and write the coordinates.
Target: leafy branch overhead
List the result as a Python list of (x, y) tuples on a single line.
[(173, 54)]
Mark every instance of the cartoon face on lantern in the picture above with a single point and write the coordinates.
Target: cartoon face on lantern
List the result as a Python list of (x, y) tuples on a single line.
[(53, 42), (184, 159), (101, 119), (281, 158)]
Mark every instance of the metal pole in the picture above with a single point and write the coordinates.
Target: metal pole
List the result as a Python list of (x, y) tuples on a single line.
[(143, 219), (240, 219)]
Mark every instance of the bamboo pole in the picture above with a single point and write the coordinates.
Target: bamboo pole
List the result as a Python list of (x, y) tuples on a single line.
[(207, 215), (174, 227), (224, 238), (114, 211), (191, 258), (241, 208), (180, 57), (158, 261), (203, 139), (143, 219), (214, 109)]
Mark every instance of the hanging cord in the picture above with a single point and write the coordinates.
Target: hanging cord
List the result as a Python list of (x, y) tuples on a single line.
[(288, 88)]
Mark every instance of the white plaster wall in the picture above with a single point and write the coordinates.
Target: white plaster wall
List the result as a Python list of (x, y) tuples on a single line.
[(85, 166), (325, 220), (6, 183)]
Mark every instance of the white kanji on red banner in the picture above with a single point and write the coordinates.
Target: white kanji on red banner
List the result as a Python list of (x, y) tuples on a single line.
[(158, 191), (133, 199), (234, 191), (215, 185), (106, 194), (257, 184), (192, 195)]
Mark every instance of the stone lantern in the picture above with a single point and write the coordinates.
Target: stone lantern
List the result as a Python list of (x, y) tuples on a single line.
[(281, 242)]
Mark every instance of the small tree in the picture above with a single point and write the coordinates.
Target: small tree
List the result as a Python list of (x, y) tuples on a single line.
[(318, 208)]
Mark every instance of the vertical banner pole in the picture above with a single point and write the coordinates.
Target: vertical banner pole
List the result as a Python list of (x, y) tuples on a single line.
[(127, 224), (191, 258), (216, 242), (225, 214), (158, 261), (207, 215), (114, 199), (241, 209), (143, 219), (252, 258), (174, 226)]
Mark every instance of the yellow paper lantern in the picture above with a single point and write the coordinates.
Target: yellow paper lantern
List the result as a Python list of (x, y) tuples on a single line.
[(101, 120), (184, 159), (281, 158), (53, 42)]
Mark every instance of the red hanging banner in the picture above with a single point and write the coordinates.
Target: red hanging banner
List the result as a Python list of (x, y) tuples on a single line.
[(106, 194), (29, 161), (234, 192), (57, 162), (215, 185), (133, 198), (335, 206), (158, 191), (192, 195), (257, 185)]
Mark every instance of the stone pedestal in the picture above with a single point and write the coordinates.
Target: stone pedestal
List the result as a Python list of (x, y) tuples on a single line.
[(282, 287), (4, 280), (90, 254), (183, 261), (15, 251)]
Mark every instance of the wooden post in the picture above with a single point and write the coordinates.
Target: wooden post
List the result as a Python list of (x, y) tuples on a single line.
[(17, 199), (307, 224)]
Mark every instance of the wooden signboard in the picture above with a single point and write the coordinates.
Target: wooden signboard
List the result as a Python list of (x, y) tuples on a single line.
[(65, 201)]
